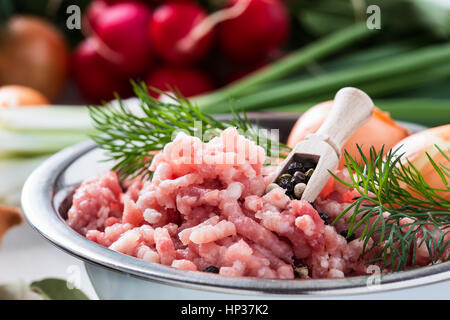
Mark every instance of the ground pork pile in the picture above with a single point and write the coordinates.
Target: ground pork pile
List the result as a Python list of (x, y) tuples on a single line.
[(205, 206)]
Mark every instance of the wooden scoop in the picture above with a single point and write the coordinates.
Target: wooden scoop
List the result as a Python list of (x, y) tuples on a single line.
[(351, 109)]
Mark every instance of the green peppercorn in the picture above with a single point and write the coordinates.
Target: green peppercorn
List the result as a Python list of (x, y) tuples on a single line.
[(309, 173), (284, 176), (284, 181)]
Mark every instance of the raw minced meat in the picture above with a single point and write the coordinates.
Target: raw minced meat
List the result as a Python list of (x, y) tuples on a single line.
[(205, 206)]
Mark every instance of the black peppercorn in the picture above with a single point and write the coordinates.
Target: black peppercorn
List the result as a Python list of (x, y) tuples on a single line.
[(298, 177), (294, 167), (350, 237), (211, 269), (308, 165), (324, 217), (286, 184)]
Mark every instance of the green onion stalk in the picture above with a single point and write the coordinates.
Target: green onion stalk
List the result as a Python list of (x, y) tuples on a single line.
[(287, 66), (392, 74)]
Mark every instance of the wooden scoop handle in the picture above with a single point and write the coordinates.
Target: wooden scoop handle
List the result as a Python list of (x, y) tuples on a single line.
[(351, 109)]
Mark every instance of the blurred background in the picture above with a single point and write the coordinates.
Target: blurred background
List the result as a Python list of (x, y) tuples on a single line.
[(57, 56), (200, 46)]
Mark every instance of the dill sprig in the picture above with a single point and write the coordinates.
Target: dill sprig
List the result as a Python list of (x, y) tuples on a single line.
[(130, 139), (386, 185)]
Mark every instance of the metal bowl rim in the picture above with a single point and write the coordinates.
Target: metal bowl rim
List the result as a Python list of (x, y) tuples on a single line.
[(37, 203)]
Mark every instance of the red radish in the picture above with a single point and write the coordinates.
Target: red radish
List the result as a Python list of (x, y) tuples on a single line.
[(94, 75), (188, 81), (117, 1), (122, 27), (171, 24), (93, 12), (96, 9), (257, 32), (167, 1)]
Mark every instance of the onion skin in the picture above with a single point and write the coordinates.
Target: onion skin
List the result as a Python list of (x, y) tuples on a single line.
[(33, 53), (378, 131), (9, 217), (417, 145), (17, 96)]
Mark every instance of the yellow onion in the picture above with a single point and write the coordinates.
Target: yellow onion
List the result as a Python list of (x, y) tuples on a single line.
[(9, 217), (17, 96), (378, 131), (415, 148), (33, 53)]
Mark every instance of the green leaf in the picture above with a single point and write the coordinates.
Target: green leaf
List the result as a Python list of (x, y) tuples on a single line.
[(57, 289)]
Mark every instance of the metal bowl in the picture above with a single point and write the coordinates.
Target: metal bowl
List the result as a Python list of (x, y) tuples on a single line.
[(46, 199)]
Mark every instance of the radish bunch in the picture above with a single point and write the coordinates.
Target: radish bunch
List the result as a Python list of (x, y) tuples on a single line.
[(258, 32), (95, 76), (170, 43), (171, 24)]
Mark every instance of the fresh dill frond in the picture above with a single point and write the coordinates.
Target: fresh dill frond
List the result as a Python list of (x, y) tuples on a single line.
[(131, 138), (390, 191)]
